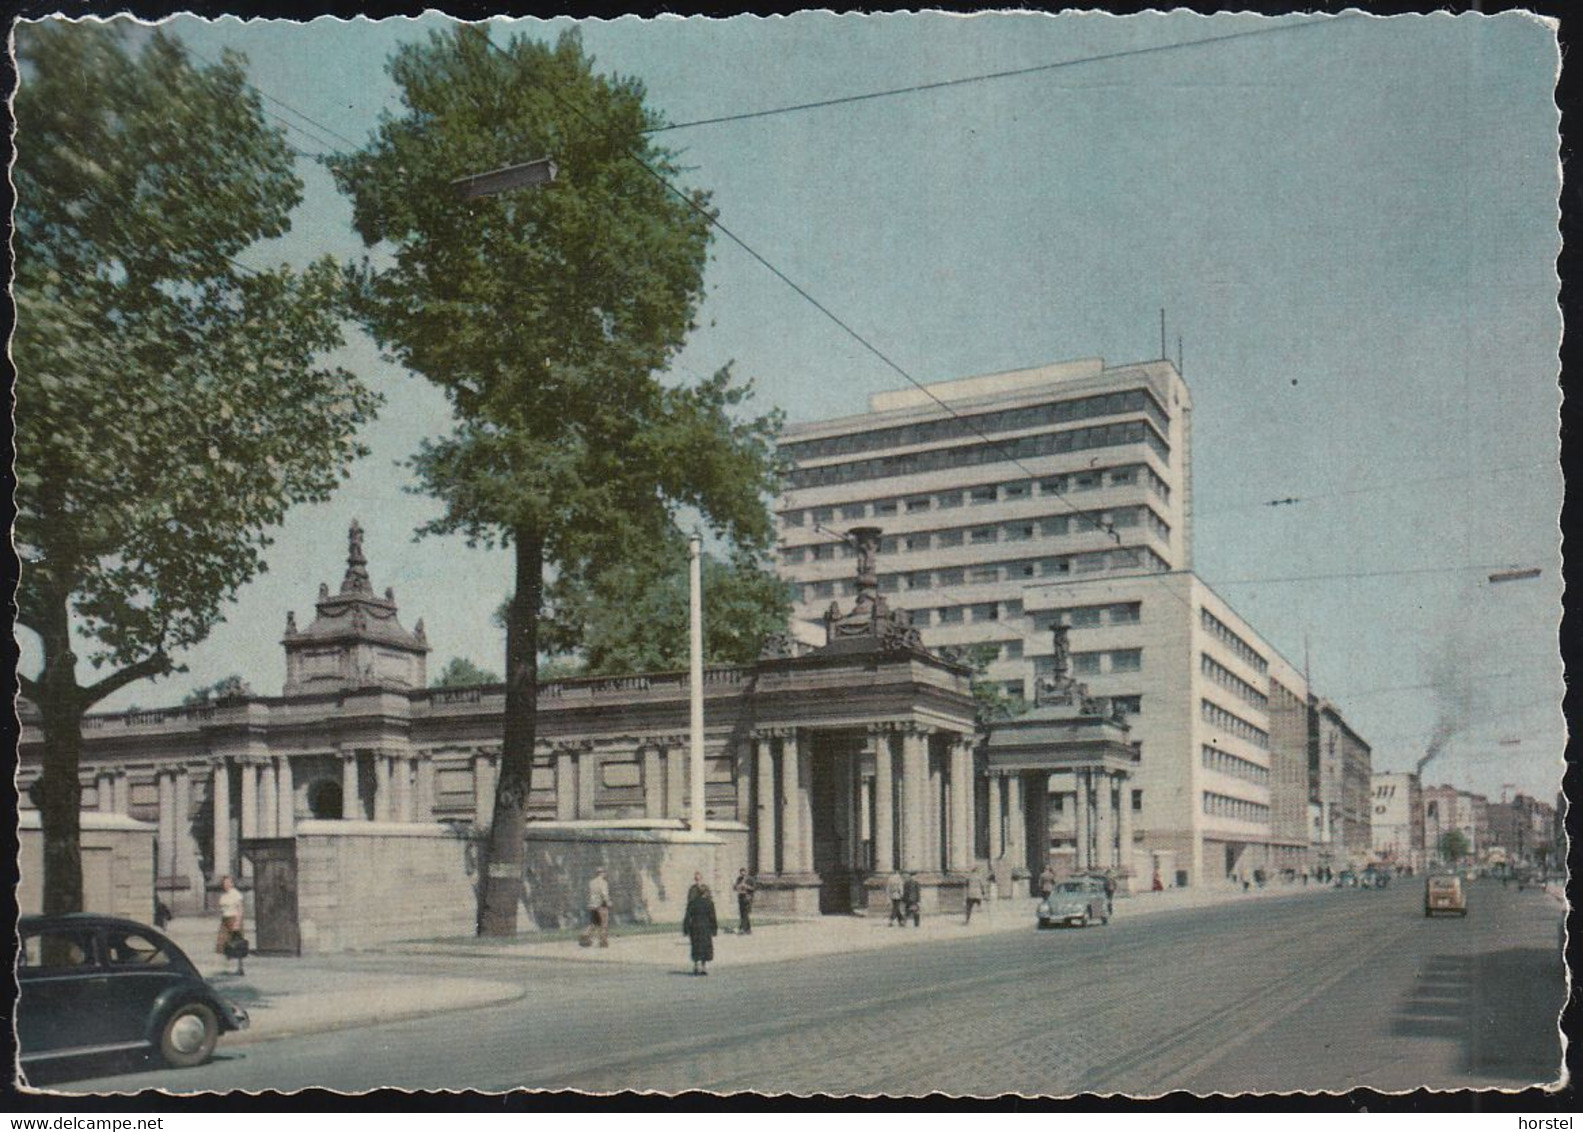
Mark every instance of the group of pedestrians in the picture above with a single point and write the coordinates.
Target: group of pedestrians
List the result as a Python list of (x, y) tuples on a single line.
[(700, 924)]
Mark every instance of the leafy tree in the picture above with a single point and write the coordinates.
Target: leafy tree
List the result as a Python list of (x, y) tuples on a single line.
[(460, 672), (633, 615), (232, 685), (169, 404), (548, 317), (1454, 846), (991, 702)]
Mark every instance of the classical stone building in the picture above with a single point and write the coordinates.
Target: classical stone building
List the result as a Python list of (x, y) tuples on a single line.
[(359, 786)]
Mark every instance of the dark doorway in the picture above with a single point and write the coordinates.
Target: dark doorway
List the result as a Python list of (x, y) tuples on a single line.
[(324, 800), (274, 894), (829, 794)]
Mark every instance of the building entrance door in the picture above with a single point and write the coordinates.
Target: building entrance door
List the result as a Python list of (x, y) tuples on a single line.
[(830, 794), (274, 861)]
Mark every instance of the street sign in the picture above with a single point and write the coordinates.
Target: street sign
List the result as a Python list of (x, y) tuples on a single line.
[(529, 173)]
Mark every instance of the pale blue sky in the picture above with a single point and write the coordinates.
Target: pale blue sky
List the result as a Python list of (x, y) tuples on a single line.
[(1352, 225)]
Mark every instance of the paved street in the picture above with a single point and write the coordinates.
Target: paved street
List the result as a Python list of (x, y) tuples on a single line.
[(1318, 990)]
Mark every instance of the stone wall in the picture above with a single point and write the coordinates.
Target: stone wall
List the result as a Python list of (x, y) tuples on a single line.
[(117, 865), (361, 884), (650, 864)]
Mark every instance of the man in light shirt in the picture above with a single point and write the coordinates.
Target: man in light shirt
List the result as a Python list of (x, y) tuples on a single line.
[(598, 910)]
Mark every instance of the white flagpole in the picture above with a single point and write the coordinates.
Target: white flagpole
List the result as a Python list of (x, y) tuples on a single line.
[(696, 683)]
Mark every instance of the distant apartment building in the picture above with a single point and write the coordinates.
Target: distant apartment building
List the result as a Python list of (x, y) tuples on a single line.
[(1523, 829), (1340, 765), (1445, 809), (1012, 501), (1397, 824)]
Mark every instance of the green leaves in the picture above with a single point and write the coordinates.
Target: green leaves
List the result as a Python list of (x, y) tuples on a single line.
[(170, 405), (460, 672)]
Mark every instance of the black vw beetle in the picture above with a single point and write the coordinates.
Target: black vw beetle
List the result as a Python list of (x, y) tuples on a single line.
[(99, 985)]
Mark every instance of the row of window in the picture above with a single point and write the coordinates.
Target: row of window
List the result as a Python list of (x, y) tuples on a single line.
[(1217, 716), (1053, 526), (1229, 680), (1089, 616), (969, 455), (1125, 558), (1100, 662), (1238, 809), (984, 493), (1213, 758), (1005, 420), (1222, 632)]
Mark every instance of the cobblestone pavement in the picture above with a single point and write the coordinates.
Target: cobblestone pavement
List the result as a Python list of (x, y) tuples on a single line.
[(1326, 991)]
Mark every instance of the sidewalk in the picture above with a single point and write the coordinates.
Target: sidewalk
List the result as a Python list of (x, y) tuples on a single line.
[(823, 935), (285, 996)]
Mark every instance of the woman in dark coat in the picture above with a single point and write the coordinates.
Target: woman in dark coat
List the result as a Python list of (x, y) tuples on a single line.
[(700, 926)]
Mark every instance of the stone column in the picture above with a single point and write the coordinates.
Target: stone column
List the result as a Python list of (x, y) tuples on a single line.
[(961, 832), (285, 783), (764, 811), (186, 856), (165, 864), (268, 801), (743, 769), (804, 803), (676, 756), (382, 807), (884, 804), (351, 796), (914, 815), (224, 862), (934, 792), (1016, 823), (653, 783), (587, 770), (484, 782), (565, 786), (249, 799), (1124, 821), (425, 803), (791, 805), (122, 793), (401, 788), (1104, 822), (1080, 817), (104, 790)]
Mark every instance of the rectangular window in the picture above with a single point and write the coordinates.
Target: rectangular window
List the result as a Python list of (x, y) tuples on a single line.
[(1125, 614), (1055, 525), (1124, 475), (1019, 532), (1012, 650), (824, 589), (792, 518), (1017, 490), (1088, 563), (1056, 566), (1137, 801), (919, 581), (985, 611), (1087, 481), (1026, 569), (949, 577), (1127, 705), (889, 583), (887, 546), (916, 505), (824, 552), (854, 511), (1014, 688), (1012, 608), (984, 574), (983, 494), (885, 507), (1085, 663), (823, 514), (916, 542), (1054, 485), (1126, 660), (1125, 517), (920, 618), (793, 556), (948, 539), (984, 534), (951, 615), (948, 499)]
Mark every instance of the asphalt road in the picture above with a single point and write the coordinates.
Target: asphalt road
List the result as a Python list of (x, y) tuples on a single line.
[(1322, 991)]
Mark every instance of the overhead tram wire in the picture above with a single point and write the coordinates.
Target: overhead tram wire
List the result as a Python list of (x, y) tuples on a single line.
[(1368, 489), (917, 88), (320, 126)]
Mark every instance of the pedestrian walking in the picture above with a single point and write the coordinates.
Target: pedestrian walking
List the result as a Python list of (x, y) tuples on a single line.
[(975, 893), (912, 898), (1157, 885), (699, 926), (232, 909), (744, 891), (895, 891), (1047, 882), (598, 911), (1110, 893)]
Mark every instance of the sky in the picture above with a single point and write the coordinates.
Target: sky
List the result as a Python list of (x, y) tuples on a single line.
[(1350, 222)]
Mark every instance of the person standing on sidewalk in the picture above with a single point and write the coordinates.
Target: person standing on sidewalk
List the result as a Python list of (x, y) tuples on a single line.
[(744, 891), (912, 898), (699, 926), (231, 914), (598, 911), (1047, 882), (895, 889), (1110, 893), (975, 893)]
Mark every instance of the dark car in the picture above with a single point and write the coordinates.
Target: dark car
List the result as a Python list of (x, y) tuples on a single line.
[(98, 985)]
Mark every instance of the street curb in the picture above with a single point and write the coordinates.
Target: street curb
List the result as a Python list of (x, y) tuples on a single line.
[(250, 1036)]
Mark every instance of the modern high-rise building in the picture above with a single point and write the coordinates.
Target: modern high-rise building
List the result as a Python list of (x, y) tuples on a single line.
[(984, 485), (1012, 501)]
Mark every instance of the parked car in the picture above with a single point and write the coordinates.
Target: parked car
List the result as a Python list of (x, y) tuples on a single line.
[(1079, 900), (1445, 892), (98, 985)]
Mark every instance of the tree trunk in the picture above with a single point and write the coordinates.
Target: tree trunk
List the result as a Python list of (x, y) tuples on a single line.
[(60, 792), (500, 888)]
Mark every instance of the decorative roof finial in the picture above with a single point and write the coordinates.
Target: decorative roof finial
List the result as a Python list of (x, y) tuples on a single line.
[(291, 622), (356, 580), (417, 630)]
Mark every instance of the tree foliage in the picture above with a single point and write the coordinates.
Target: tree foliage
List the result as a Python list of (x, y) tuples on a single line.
[(633, 615), (170, 405), (222, 689), (548, 317), (991, 702), (1454, 846), (460, 672)]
